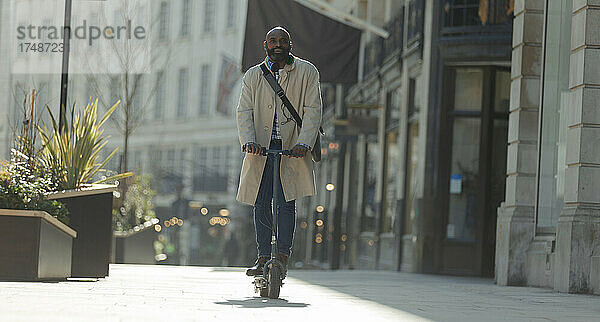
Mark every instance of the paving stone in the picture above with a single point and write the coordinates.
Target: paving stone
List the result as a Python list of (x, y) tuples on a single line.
[(179, 293)]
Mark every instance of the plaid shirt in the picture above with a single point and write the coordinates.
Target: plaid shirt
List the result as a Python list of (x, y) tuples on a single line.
[(276, 133)]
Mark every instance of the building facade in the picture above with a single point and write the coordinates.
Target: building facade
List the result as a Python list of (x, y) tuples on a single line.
[(469, 146), (182, 126), (548, 224), (423, 139)]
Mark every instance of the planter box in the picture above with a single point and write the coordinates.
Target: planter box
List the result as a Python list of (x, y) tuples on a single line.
[(34, 246), (136, 247), (91, 216)]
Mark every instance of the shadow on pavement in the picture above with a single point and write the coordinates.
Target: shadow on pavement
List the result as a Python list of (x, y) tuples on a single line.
[(260, 302), (411, 293)]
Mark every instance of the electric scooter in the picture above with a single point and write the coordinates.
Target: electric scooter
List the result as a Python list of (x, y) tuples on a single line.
[(269, 283)]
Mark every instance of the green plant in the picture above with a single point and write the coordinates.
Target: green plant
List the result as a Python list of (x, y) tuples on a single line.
[(137, 209), (71, 152), (23, 181), (23, 186)]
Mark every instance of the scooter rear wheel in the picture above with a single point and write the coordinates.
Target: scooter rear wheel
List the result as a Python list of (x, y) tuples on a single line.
[(274, 282)]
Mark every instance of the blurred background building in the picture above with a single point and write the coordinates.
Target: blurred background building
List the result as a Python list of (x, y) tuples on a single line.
[(176, 116)]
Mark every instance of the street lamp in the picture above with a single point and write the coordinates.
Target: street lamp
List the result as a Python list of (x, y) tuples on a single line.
[(64, 81), (330, 187)]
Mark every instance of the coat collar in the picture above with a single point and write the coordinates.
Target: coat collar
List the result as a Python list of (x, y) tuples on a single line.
[(287, 67)]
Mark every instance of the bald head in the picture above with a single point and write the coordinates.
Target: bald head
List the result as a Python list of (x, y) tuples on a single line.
[(278, 31)]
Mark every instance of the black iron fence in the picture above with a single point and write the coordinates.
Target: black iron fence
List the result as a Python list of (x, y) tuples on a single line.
[(464, 13)]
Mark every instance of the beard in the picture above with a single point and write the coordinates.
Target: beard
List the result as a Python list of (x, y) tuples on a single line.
[(283, 56)]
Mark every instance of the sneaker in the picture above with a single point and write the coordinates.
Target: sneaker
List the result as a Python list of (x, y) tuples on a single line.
[(257, 269)]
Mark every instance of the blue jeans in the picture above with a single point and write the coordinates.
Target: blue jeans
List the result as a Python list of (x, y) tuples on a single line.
[(263, 214)]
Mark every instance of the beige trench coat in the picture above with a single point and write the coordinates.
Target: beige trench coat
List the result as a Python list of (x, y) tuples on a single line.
[(255, 113)]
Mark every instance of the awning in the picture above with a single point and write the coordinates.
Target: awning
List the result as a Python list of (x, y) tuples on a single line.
[(331, 45)]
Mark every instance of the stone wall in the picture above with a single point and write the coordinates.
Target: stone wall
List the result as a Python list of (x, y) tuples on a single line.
[(578, 229), (516, 216)]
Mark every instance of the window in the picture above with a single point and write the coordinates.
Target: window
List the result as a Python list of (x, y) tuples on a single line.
[(180, 163), (47, 22), (90, 93), (170, 164), (231, 13), (160, 95), (209, 16), (459, 13), (156, 161), (391, 179), (210, 169), (137, 97), (185, 18), (368, 219), (216, 166), (415, 20), (226, 161), (553, 114), (75, 45), (199, 162), (136, 162), (463, 197), (182, 91), (94, 21), (163, 23), (204, 89), (412, 157), (115, 90)]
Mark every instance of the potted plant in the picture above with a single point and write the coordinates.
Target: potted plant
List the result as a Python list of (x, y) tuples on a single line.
[(71, 154), (35, 242)]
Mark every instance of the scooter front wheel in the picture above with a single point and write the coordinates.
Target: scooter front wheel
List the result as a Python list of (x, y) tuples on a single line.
[(274, 282)]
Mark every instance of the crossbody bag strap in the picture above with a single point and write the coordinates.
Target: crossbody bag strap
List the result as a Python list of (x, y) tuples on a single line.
[(279, 91)]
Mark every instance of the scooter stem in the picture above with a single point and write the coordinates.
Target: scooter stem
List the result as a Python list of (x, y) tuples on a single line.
[(276, 179)]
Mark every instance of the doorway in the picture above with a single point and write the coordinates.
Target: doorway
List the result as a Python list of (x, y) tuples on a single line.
[(472, 167)]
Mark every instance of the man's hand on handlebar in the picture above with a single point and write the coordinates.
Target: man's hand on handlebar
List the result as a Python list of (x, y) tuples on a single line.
[(252, 148), (299, 151)]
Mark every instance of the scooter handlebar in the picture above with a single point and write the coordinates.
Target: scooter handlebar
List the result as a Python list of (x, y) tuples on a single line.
[(265, 151)]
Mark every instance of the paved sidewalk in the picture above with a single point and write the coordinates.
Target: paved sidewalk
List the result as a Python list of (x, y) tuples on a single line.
[(171, 293)]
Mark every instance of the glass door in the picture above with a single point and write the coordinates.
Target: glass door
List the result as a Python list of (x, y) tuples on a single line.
[(474, 140)]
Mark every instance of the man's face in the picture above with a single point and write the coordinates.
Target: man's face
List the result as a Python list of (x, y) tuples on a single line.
[(278, 45)]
